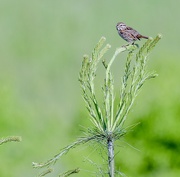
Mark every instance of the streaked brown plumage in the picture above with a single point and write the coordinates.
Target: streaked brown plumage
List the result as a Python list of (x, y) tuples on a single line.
[(128, 33)]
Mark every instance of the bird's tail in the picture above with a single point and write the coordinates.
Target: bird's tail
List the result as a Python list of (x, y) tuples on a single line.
[(139, 36), (145, 37)]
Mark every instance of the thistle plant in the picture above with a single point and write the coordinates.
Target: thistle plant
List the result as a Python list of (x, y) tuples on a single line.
[(107, 115)]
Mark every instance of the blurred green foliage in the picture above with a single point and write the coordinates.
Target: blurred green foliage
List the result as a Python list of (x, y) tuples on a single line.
[(41, 48)]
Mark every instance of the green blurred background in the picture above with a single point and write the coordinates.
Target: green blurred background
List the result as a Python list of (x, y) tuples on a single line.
[(41, 47)]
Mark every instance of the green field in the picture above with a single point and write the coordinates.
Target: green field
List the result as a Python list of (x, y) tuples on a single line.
[(41, 49)]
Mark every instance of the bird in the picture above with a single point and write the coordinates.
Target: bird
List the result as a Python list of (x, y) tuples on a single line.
[(128, 34)]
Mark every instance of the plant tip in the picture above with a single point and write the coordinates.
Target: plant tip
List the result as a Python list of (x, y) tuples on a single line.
[(150, 38), (85, 56), (109, 46), (160, 35), (103, 38)]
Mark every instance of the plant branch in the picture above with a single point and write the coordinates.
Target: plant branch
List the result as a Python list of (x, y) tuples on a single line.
[(110, 145), (10, 139)]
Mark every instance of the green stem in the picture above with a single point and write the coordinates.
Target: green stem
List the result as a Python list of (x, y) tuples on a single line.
[(110, 145)]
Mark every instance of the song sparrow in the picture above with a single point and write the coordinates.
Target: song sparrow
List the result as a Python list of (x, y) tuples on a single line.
[(128, 33)]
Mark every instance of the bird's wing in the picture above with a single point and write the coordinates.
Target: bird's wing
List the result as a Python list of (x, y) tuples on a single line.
[(133, 32), (129, 28)]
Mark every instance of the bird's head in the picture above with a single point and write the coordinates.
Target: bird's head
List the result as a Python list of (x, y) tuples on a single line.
[(120, 26)]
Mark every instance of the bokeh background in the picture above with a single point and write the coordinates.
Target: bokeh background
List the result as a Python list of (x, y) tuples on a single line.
[(41, 47)]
